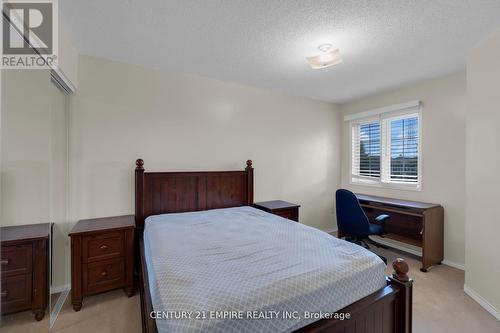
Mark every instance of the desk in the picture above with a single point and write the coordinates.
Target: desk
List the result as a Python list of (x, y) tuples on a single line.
[(416, 223)]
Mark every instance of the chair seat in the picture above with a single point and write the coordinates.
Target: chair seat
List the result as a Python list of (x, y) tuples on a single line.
[(376, 229)]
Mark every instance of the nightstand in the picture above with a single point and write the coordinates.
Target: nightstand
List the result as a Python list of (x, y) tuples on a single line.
[(102, 256), (282, 208), (25, 268)]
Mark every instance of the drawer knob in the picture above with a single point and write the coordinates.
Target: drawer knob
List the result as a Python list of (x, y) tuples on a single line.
[(5, 293), (104, 273), (103, 247), (5, 261)]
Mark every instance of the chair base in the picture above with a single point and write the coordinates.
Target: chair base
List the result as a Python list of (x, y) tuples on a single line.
[(362, 242), (358, 241)]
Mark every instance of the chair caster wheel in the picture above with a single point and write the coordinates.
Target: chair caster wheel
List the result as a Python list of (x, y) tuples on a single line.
[(423, 270)]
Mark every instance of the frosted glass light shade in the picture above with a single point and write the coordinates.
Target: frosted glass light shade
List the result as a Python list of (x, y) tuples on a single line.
[(325, 59)]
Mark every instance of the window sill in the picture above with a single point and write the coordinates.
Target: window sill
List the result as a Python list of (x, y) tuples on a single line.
[(379, 184)]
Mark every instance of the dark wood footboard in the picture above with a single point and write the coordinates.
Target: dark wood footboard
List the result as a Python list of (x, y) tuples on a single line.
[(388, 310)]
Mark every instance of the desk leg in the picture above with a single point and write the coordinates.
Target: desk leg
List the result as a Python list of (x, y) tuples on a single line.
[(433, 235)]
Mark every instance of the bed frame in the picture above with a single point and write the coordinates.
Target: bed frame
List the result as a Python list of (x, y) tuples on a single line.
[(388, 310)]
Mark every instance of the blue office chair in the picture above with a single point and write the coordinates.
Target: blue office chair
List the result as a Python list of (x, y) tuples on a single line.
[(352, 220)]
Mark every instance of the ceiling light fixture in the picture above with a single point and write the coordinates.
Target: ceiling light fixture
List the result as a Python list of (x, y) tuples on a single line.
[(327, 58)]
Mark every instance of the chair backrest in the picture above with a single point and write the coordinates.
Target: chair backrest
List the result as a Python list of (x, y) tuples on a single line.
[(351, 218)]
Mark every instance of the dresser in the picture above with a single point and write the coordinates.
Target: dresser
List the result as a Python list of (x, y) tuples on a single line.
[(102, 256), (25, 268), (281, 208)]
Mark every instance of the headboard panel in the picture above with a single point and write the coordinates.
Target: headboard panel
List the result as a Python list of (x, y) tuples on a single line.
[(175, 192)]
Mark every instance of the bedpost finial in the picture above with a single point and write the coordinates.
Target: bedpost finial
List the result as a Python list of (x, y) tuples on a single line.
[(139, 164), (400, 270), (249, 164)]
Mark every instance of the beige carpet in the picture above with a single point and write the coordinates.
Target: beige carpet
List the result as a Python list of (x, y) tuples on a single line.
[(24, 322), (103, 313), (439, 302), (440, 305)]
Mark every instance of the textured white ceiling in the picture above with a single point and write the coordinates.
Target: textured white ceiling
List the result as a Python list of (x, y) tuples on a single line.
[(264, 42)]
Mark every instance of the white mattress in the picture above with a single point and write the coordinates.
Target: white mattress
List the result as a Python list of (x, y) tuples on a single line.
[(201, 264)]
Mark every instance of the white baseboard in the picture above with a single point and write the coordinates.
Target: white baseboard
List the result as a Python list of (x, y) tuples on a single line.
[(59, 289), (453, 264), (481, 301)]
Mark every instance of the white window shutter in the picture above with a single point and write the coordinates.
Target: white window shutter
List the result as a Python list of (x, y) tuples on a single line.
[(366, 149), (401, 156), (355, 149)]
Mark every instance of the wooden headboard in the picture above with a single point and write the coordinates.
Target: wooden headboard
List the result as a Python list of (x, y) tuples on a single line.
[(176, 192)]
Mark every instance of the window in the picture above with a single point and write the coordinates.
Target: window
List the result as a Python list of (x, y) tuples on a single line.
[(385, 147)]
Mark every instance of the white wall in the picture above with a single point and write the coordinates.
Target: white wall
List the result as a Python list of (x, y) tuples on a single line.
[(443, 152), (179, 122), (482, 273)]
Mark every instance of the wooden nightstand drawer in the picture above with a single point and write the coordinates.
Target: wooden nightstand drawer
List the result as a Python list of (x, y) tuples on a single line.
[(103, 275), (16, 293), (102, 246), (291, 214), (281, 208), (16, 259)]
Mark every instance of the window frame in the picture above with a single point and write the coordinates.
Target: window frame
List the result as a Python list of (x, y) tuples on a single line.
[(384, 118)]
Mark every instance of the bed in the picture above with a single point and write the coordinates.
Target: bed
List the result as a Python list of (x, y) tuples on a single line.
[(210, 262)]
